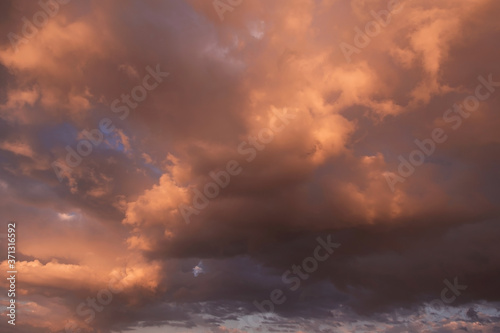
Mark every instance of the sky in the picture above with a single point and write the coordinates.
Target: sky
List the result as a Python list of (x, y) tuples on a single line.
[(237, 166)]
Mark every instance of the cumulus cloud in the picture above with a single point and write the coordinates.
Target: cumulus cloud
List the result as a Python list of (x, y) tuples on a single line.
[(322, 170)]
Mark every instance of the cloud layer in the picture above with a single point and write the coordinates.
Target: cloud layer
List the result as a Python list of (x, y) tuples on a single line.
[(299, 138)]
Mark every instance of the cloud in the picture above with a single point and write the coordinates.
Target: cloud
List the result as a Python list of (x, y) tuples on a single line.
[(198, 269), (117, 212)]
